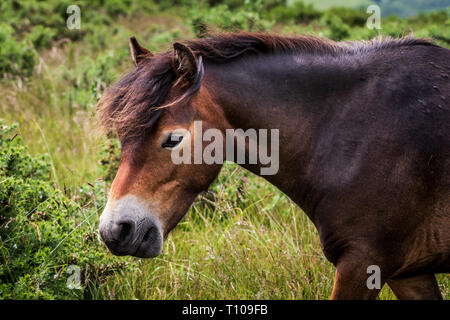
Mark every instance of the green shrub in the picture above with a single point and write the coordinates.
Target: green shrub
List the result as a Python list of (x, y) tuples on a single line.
[(440, 16), (305, 12), (338, 30), (41, 37), (110, 157), (88, 80), (349, 16), (221, 17), (298, 12), (232, 4), (43, 232), (17, 58)]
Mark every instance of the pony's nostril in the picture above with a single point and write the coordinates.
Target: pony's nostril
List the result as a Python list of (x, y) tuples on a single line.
[(121, 232), (124, 231), (147, 234)]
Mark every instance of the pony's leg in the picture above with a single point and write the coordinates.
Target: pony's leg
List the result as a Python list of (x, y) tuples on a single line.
[(422, 287), (350, 283)]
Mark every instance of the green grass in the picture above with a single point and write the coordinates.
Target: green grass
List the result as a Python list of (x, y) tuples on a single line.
[(325, 4)]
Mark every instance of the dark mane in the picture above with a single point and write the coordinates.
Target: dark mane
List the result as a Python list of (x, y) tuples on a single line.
[(134, 103), (228, 46), (129, 105)]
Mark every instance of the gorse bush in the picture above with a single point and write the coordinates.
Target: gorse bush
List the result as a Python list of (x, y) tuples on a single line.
[(17, 58), (110, 157), (337, 29), (43, 232), (298, 12), (351, 17), (227, 20), (41, 37), (35, 25)]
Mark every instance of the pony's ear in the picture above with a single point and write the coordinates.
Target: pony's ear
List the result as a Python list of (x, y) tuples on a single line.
[(138, 52), (185, 62)]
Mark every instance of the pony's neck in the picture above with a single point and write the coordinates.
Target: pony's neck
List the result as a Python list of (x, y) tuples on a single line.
[(295, 94), (277, 90)]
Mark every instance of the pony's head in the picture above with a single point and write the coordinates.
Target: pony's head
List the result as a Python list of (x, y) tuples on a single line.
[(152, 110)]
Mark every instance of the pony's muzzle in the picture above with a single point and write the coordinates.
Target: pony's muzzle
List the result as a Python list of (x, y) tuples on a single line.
[(130, 229)]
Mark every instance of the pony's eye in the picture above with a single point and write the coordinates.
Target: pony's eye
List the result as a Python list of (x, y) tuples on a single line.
[(172, 140)]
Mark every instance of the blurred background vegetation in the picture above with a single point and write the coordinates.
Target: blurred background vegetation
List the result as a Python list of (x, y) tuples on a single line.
[(243, 239)]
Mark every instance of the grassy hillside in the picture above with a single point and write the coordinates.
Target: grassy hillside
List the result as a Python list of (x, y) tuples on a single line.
[(326, 4), (243, 239)]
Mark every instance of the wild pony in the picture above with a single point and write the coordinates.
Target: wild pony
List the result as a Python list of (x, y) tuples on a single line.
[(364, 146)]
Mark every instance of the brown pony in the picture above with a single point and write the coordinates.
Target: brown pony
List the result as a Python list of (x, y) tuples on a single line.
[(364, 146)]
